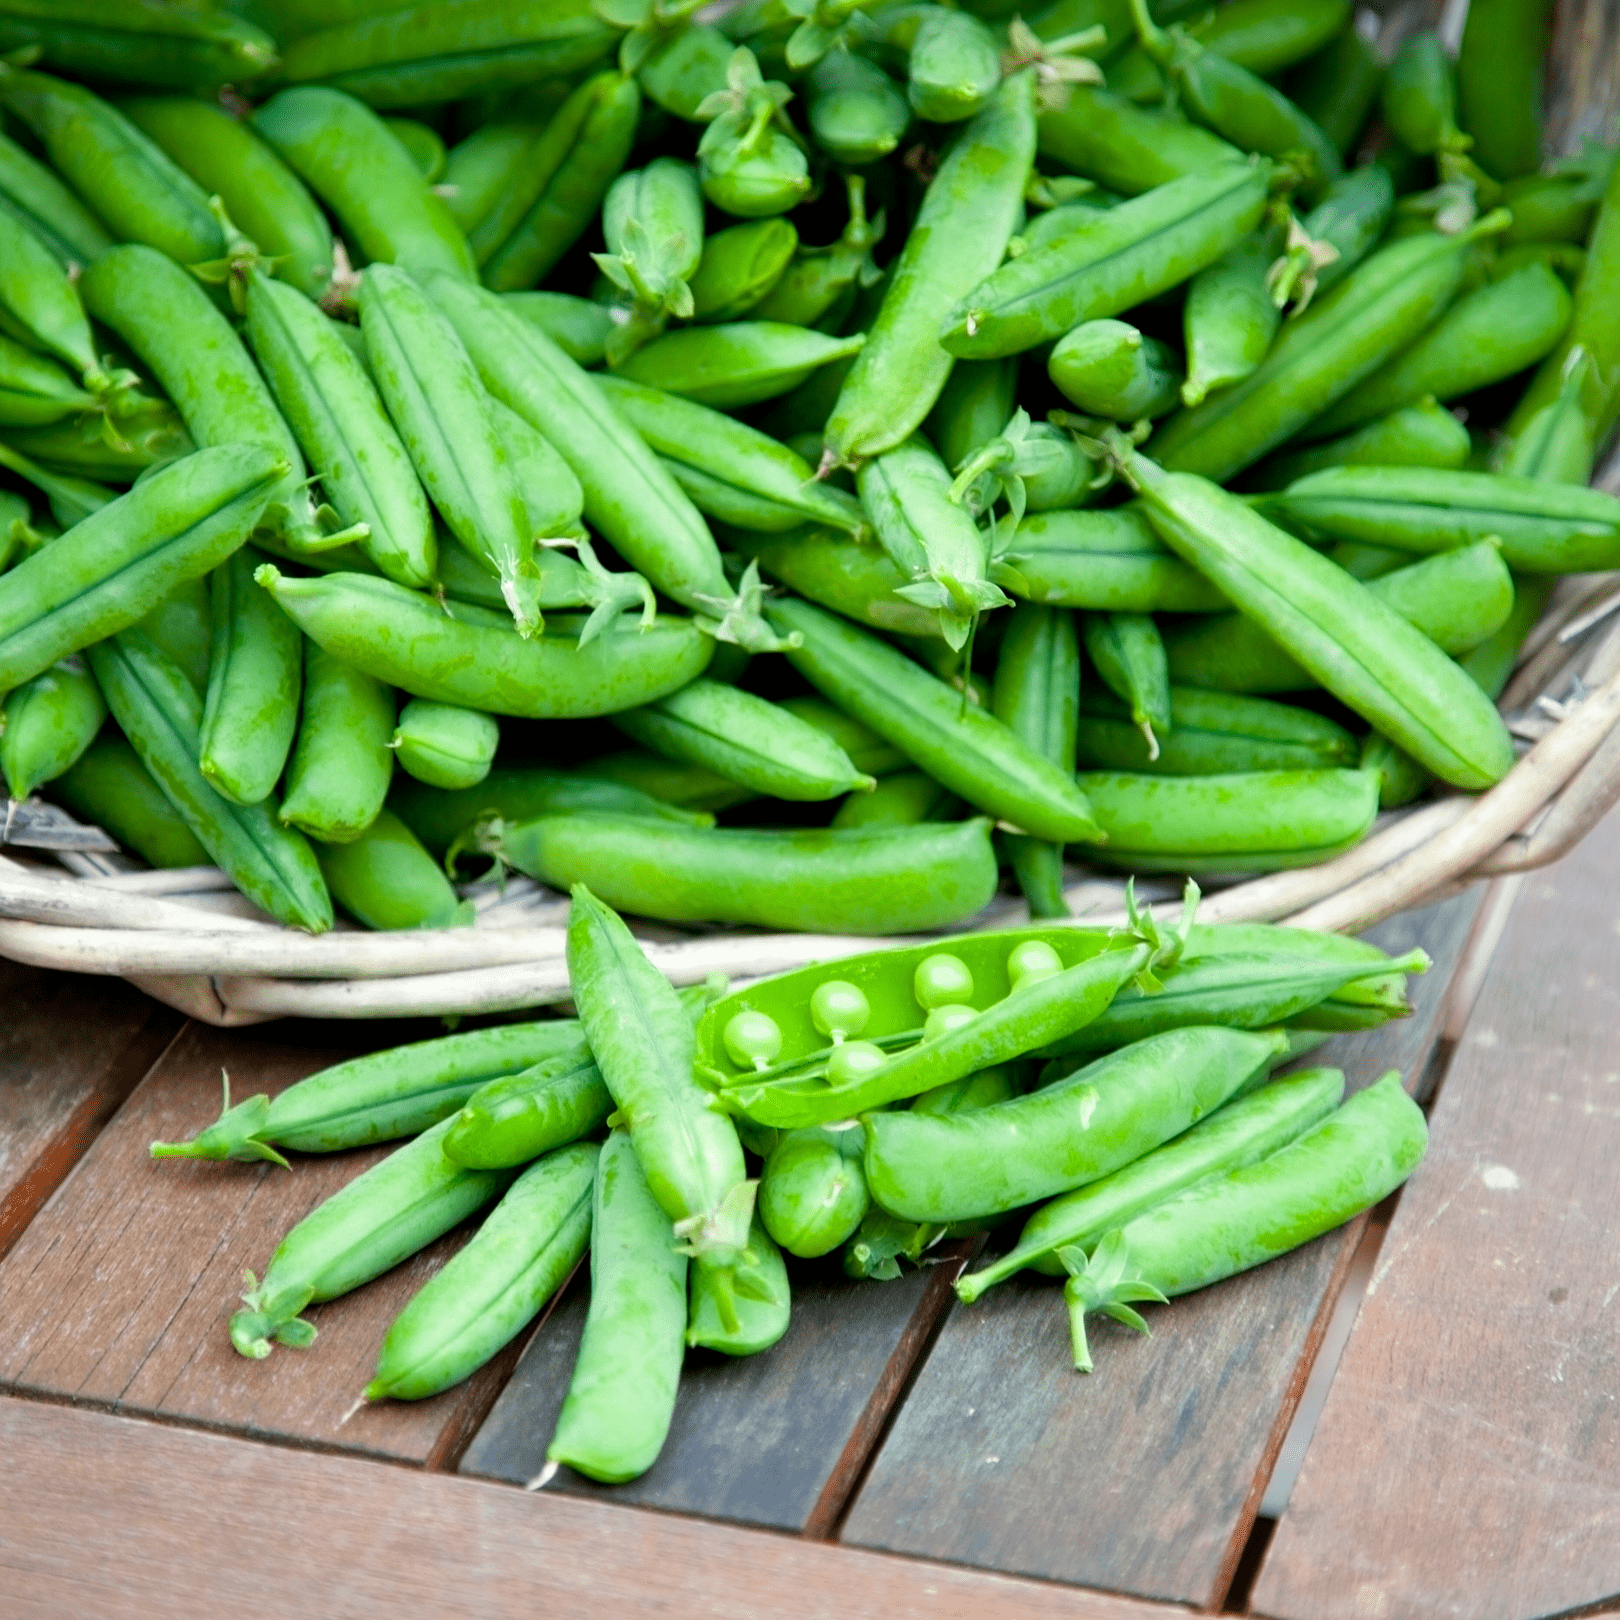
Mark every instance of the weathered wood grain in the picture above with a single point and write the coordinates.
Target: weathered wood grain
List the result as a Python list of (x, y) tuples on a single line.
[(1483, 1374), (1146, 1476), (71, 1050), (119, 1292)]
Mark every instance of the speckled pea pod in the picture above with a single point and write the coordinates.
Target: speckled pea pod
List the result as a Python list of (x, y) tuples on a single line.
[(47, 723), (518, 1116), (652, 223), (953, 66), (110, 788)]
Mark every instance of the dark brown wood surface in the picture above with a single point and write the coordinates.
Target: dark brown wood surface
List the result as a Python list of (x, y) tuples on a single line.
[(1146, 1476), (1468, 1459), (71, 1050), (120, 1290), (108, 1516)]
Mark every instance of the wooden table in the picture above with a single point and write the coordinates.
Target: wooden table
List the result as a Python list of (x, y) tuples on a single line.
[(896, 1454)]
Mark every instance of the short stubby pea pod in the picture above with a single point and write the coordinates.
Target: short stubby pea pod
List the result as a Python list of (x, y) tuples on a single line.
[(1108, 368), (47, 723), (387, 880), (812, 1192), (443, 745)]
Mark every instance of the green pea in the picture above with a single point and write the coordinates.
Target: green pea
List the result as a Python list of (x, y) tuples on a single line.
[(1032, 960), (753, 1038), (46, 725), (338, 776), (443, 745), (385, 879), (852, 1062), (940, 980), (839, 1009), (110, 788), (943, 1021)]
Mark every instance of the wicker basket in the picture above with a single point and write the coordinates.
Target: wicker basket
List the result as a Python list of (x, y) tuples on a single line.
[(70, 900)]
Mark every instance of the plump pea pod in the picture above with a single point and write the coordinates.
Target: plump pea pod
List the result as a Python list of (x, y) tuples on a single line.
[(739, 267), (1108, 368), (736, 364), (956, 1167), (380, 1096), (439, 50), (1542, 527), (489, 1291), (857, 114), (1238, 1134), (340, 768), (1359, 1154), (443, 745), (731, 470), (255, 673), (477, 660), (869, 880), (742, 1307), (1338, 88), (1212, 733), (1111, 561), (622, 1397), (263, 197), (1420, 97), (514, 1118), (652, 222), (120, 562), (751, 160), (1360, 649), (1229, 319), (968, 751), (1555, 444), (1127, 149), (161, 714), (812, 1191), (1493, 333), (1108, 262), (745, 738), (385, 879), (630, 498), (37, 293), (577, 326), (1367, 319), (680, 74), (348, 158), (32, 194), (953, 67), (1128, 652), (125, 177), (1457, 599), (110, 788), (381, 1217), (968, 215), (332, 406), (47, 723), (1420, 435), (974, 407), (34, 390), (820, 287)]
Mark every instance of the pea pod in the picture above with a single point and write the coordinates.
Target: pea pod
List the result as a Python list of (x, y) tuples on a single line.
[(1033, 466), (652, 221), (1555, 445), (385, 879), (1357, 1155), (683, 71), (31, 194), (967, 218), (856, 112), (82, 449), (1420, 97), (161, 714), (489, 1291), (1108, 262), (381, 1217), (1419, 435), (867, 751), (110, 788), (1229, 320), (953, 67), (974, 408), (126, 178), (1108, 368), (1267, 36), (1129, 150), (693, 790), (821, 284), (1128, 652), (1339, 87), (1558, 205), (490, 169), (577, 326), (736, 364), (340, 768), (46, 724), (812, 1191), (515, 1117), (34, 389), (739, 267), (750, 159), (1349, 220), (1238, 1134), (445, 746), (181, 625), (622, 1395), (743, 1307)]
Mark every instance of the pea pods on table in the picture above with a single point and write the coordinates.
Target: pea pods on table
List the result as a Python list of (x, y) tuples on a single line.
[(812, 1191), (517, 1116), (47, 723), (110, 788), (341, 764)]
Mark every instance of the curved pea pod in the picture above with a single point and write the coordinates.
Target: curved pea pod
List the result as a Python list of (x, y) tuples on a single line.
[(140, 193), (366, 1228), (736, 364), (1239, 1133), (254, 675), (1491, 334), (439, 50), (739, 267), (1424, 434), (516, 1117), (622, 1396), (1108, 262), (967, 217), (161, 714), (1371, 316), (745, 738), (384, 878), (901, 800), (1229, 320), (110, 788), (680, 74), (1339, 87), (120, 562), (812, 1191), (953, 67), (1108, 368), (956, 1167), (443, 745), (1128, 149), (1543, 528), (40, 299), (489, 1291), (1555, 444), (1128, 652), (1359, 1154), (740, 1308), (963, 748), (1457, 599), (731, 470), (380, 1096), (263, 197), (857, 113), (338, 776), (577, 326), (35, 390), (47, 723), (1420, 97), (32, 194)]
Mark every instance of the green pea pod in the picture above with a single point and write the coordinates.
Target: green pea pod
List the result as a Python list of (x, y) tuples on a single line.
[(552, 498), (1558, 206), (1110, 369), (576, 325), (110, 788), (1109, 262), (1371, 316), (348, 158), (161, 714), (46, 724), (953, 68), (1128, 652), (736, 364), (1543, 528), (182, 626), (107, 571), (1420, 97), (901, 800), (1350, 219), (812, 1191), (973, 408), (1360, 649), (744, 1307), (1229, 320), (961, 232), (263, 197), (338, 776), (1419, 435), (1400, 778), (385, 879), (445, 746), (490, 170), (489, 1291), (383, 1216), (1555, 445), (867, 751), (81, 450), (126, 178), (750, 160), (744, 738), (1338, 88), (332, 406), (37, 293), (622, 1396), (1127, 149), (436, 51), (740, 266), (518, 1116), (857, 114), (1493, 660), (1239, 1133), (35, 390), (31, 194), (819, 288), (425, 145), (1212, 734), (1267, 36), (1491, 334), (683, 72), (652, 221), (254, 675)]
